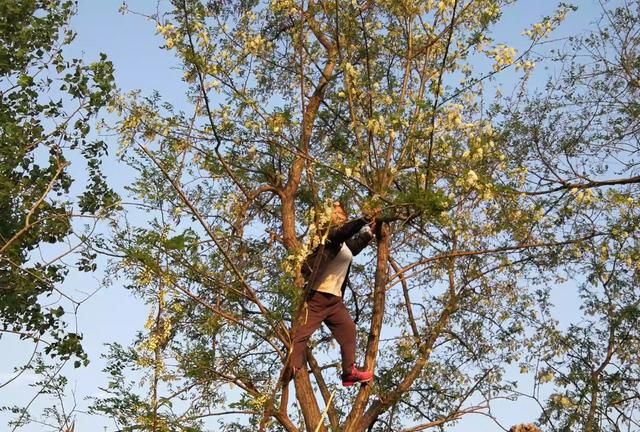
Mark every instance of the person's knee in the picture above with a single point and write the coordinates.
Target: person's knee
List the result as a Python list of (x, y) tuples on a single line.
[(352, 326), (301, 338), (349, 327)]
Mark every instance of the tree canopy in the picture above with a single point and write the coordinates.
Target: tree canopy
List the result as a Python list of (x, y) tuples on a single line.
[(491, 201)]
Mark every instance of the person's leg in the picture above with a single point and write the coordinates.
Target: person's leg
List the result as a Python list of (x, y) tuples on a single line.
[(311, 320), (344, 330)]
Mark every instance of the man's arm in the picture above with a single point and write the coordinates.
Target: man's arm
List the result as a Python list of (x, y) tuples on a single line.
[(344, 232), (358, 243)]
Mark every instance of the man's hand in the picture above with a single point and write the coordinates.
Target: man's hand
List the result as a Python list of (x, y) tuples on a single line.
[(368, 229), (372, 226), (370, 215)]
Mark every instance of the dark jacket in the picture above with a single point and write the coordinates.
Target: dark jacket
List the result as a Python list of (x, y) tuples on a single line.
[(317, 261)]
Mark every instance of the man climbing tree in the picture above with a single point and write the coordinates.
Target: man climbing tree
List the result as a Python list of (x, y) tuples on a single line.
[(326, 273), (494, 206)]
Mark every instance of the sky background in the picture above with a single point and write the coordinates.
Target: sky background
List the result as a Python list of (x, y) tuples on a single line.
[(113, 314)]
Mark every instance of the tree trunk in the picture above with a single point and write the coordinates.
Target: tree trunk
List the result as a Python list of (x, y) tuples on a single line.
[(354, 420), (308, 403)]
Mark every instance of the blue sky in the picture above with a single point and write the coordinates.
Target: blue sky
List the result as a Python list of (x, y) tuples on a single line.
[(113, 314)]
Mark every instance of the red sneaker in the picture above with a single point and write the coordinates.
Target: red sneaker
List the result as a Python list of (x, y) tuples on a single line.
[(356, 376)]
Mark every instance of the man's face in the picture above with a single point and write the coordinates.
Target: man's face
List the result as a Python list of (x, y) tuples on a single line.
[(339, 215)]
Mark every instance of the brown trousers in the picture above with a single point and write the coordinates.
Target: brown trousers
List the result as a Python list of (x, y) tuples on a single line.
[(327, 308)]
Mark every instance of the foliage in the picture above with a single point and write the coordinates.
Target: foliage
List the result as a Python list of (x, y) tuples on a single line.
[(488, 204), (586, 124), (49, 385), (48, 105)]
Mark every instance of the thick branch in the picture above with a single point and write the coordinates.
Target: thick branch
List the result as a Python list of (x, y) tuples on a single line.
[(588, 185), (354, 420), (308, 120)]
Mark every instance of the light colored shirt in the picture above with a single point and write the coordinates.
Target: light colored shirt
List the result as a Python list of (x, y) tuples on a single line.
[(331, 280)]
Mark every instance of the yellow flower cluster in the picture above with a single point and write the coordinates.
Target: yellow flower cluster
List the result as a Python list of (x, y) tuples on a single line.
[(276, 122), (454, 116), (525, 65), (476, 151), (503, 56), (169, 32), (203, 38), (492, 10), (132, 121), (471, 178), (546, 376), (445, 121), (166, 29), (539, 30), (294, 260), (442, 5), (562, 401), (350, 70), (584, 196), (547, 25), (159, 333), (255, 44), (287, 6), (377, 126), (259, 402)]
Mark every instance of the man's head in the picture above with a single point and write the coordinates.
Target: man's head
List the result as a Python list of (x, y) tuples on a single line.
[(339, 215)]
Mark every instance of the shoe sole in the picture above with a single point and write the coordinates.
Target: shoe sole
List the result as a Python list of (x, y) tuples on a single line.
[(350, 383)]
